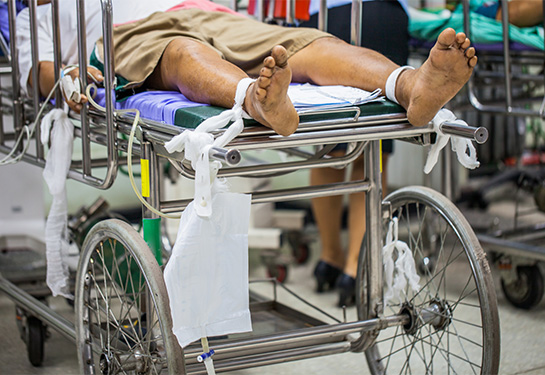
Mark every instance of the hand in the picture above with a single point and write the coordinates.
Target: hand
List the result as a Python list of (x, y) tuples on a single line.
[(96, 77)]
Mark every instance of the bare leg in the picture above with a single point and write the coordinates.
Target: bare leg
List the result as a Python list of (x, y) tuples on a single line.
[(203, 76), (356, 223), (356, 216), (422, 92), (328, 215)]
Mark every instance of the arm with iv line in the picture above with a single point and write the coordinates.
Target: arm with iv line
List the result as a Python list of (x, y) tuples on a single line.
[(46, 81)]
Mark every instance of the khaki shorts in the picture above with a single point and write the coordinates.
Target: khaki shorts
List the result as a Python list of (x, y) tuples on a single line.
[(239, 40)]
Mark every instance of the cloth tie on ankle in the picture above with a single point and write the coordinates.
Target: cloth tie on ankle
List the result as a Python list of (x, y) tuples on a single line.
[(391, 83), (198, 143)]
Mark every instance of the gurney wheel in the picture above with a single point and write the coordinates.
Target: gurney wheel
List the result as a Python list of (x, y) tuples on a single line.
[(301, 253), (278, 272), (527, 290), (123, 321), (299, 247), (453, 318), (36, 331)]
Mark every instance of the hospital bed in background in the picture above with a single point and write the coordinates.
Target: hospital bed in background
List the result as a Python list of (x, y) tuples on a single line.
[(506, 95), (124, 326)]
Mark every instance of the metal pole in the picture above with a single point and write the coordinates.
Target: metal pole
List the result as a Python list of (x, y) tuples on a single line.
[(479, 135), (17, 100), (447, 173), (290, 12), (37, 308), (57, 50), (149, 167), (259, 10), (82, 56), (506, 54), (322, 16), (467, 20), (35, 70), (373, 213), (285, 194), (355, 36), (109, 85)]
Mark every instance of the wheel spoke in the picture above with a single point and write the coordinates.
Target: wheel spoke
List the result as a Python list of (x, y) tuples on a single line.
[(122, 317), (449, 332)]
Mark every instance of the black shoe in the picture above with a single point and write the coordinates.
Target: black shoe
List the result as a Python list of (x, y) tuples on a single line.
[(326, 276), (347, 290)]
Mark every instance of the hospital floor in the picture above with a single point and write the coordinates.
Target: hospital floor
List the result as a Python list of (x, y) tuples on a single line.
[(522, 333)]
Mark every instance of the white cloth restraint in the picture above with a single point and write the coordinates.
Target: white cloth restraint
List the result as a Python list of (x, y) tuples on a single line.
[(197, 145), (391, 83), (55, 171), (466, 152), (397, 274)]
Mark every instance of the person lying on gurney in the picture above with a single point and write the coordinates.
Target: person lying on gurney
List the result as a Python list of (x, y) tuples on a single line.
[(203, 50), (521, 13)]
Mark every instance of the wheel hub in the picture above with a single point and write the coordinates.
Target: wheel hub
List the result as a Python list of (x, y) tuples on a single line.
[(438, 314), (107, 364)]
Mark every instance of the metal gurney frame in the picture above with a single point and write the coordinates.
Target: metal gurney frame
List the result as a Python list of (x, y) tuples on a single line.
[(111, 339)]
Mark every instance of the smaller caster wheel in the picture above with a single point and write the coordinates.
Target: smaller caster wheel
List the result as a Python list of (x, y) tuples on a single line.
[(278, 272), (299, 247), (527, 290), (301, 253), (36, 332)]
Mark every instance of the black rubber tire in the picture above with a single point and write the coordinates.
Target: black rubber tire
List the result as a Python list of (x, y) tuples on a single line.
[(527, 291), (35, 341)]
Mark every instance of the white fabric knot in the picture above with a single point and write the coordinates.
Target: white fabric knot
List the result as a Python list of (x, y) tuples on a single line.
[(396, 274), (197, 145), (55, 172), (464, 149)]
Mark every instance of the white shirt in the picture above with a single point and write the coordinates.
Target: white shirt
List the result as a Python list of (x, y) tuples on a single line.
[(123, 11)]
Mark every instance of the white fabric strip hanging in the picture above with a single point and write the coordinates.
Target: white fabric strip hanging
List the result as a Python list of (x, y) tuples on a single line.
[(56, 168)]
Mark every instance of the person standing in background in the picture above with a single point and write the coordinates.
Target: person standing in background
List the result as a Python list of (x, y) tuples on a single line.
[(384, 29)]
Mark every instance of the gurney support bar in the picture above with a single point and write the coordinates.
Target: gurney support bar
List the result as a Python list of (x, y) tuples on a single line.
[(230, 157), (480, 134)]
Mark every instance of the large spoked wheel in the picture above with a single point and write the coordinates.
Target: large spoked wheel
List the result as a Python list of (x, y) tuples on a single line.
[(123, 323), (453, 325)]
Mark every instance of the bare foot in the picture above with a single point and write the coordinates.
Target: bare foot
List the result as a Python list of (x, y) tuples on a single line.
[(267, 98), (425, 90)]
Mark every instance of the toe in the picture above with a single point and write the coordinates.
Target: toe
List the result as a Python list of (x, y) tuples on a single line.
[(280, 55), (460, 38), (269, 62), (466, 44), (260, 93), (263, 82), (266, 72), (446, 38), (472, 61), (470, 52)]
